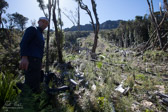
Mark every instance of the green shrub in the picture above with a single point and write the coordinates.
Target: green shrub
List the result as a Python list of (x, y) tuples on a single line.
[(103, 105), (7, 92), (99, 64), (140, 77)]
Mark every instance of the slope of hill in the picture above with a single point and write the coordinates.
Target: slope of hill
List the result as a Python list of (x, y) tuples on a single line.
[(88, 27)]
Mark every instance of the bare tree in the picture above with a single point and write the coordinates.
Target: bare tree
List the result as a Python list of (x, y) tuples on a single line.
[(95, 27), (154, 20), (70, 15), (48, 35), (166, 12), (52, 7), (74, 17), (96, 31), (160, 38), (49, 7), (59, 16), (57, 36)]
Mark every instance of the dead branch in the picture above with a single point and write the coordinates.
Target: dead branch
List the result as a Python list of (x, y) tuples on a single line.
[(69, 18), (155, 31), (154, 20), (42, 6), (85, 7), (157, 27), (165, 46)]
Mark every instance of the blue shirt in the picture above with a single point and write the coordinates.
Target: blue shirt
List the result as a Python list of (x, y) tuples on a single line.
[(32, 43)]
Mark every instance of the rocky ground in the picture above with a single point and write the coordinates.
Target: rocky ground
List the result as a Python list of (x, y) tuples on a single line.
[(119, 80)]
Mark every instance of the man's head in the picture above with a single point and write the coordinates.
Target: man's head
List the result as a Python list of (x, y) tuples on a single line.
[(43, 22)]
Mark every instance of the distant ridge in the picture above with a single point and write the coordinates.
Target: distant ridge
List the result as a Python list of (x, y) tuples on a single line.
[(88, 27)]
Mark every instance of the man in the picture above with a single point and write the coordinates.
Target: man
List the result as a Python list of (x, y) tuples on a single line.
[(32, 48)]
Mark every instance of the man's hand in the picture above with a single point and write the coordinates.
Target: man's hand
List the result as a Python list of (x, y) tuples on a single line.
[(24, 63)]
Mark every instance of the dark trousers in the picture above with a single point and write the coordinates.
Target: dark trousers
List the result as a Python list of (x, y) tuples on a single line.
[(32, 75)]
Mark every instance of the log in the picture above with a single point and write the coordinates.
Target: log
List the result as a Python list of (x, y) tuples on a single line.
[(162, 95)]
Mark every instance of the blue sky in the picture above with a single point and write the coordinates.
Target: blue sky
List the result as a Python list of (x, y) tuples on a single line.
[(106, 9)]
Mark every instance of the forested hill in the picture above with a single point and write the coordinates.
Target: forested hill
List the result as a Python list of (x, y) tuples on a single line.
[(87, 27)]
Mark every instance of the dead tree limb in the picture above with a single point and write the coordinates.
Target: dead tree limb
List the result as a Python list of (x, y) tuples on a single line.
[(154, 21), (157, 28), (42, 6), (155, 31), (69, 18), (85, 7)]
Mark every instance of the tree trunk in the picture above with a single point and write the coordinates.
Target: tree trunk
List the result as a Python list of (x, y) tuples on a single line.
[(59, 16), (48, 38), (96, 31), (48, 31), (59, 49), (1, 24), (78, 17), (95, 43)]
